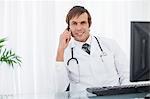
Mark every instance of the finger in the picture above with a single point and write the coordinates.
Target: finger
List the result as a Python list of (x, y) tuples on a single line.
[(67, 33), (67, 40), (68, 36)]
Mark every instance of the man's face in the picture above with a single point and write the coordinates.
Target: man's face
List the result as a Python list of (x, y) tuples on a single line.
[(79, 27)]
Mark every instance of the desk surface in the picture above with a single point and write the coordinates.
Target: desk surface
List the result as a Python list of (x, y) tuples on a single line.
[(83, 95), (68, 95)]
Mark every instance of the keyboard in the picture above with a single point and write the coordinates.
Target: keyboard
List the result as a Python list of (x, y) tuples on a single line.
[(122, 89)]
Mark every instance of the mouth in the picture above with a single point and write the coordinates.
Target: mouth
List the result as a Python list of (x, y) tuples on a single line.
[(80, 33)]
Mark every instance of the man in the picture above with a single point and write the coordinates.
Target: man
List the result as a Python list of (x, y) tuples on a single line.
[(86, 60)]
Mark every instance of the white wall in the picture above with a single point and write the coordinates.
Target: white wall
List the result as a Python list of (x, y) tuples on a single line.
[(29, 27)]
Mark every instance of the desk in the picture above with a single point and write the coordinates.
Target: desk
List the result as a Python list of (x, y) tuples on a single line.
[(83, 95), (68, 95)]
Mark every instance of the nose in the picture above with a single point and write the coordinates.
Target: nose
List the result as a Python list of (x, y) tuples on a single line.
[(78, 27)]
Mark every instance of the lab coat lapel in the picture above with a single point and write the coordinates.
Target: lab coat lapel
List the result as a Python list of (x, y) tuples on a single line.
[(95, 51)]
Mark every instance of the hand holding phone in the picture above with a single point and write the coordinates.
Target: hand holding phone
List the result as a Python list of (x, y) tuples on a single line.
[(65, 37), (64, 40)]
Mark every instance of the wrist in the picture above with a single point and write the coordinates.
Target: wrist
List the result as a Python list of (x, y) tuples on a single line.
[(60, 54), (60, 49)]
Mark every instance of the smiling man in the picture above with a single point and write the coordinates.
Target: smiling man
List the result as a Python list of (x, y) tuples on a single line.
[(87, 60)]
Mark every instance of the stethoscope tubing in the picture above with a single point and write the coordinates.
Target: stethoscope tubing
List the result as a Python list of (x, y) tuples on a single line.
[(73, 58)]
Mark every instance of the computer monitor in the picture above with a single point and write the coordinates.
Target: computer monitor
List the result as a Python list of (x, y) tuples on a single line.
[(140, 51)]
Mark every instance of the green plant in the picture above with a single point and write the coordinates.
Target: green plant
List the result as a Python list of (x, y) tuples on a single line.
[(8, 56), (1, 42)]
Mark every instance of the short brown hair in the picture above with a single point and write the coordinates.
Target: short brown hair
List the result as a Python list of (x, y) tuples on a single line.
[(77, 11)]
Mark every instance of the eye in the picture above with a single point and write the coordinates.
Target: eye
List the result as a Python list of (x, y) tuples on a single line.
[(83, 22), (74, 23)]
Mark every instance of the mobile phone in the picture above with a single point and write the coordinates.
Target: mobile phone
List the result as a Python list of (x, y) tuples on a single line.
[(68, 28)]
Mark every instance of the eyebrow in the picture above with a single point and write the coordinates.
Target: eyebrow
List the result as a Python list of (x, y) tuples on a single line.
[(78, 22)]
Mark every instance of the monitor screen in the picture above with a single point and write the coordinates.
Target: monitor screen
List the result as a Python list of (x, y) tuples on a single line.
[(140, 51)]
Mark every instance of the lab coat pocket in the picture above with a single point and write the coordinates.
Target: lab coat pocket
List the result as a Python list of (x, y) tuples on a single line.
[(109, 62), (98, 69), (103, 68), (110, 66)]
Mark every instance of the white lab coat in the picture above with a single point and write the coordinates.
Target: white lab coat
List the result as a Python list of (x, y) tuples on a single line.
[(93, 71)]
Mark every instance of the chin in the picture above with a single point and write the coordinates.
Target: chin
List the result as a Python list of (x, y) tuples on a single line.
[(80, 38)]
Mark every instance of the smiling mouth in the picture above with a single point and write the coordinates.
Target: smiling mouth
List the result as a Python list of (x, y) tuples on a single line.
[(80, 33)]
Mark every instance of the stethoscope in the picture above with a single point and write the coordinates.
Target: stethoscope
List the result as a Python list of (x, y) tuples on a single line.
[(101, 55), (73, 58)]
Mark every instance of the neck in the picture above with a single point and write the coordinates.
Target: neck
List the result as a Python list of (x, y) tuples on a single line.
[(85, 39)]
